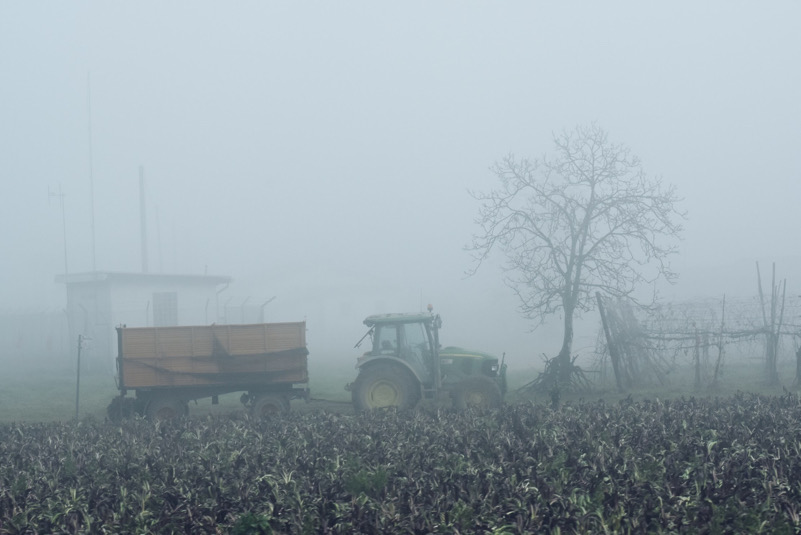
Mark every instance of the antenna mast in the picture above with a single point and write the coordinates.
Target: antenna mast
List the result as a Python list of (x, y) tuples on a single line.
[(61, 196), (91, 165), (143, 217)]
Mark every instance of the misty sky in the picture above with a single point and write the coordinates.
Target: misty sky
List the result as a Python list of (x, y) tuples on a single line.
[(322, 152)]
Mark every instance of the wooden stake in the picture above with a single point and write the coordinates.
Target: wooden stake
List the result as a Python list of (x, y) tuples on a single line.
[(610, 343), (720, 341)]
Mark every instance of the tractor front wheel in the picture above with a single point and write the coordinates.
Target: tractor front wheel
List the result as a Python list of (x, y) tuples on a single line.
[(382, 385), (477, 392)]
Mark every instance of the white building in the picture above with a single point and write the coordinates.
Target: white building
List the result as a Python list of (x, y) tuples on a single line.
[(98, 302)]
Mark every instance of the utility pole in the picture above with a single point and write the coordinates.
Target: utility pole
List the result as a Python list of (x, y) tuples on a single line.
[(143, 217), (158, 239), (61, 196), (78, 377), (91, 166)]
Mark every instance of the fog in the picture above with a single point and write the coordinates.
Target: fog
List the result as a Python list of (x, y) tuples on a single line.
[(322, 153)]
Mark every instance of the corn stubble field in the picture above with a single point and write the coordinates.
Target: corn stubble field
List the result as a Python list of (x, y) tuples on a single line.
[(682, 465)]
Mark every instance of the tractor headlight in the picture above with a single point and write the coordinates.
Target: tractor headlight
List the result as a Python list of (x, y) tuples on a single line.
[(490, 367)]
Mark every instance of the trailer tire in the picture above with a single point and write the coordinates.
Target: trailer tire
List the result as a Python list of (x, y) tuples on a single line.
[(385, 385), (266, 405), (478, 392), (165, 408), (121, 408)]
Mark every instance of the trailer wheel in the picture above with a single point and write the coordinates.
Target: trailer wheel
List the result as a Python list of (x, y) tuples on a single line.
[(477, 392), (383, 385), (166, 408), (267, 405), (121, 408)]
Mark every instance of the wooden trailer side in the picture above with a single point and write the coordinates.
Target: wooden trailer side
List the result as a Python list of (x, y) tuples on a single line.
[(213, 355)]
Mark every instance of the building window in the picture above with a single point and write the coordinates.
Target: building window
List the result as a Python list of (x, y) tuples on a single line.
[(165, 309)]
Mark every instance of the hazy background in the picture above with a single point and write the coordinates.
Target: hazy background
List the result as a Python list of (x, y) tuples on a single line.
[(321, 152)]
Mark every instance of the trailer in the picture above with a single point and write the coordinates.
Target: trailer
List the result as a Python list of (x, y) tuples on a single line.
[(166, 367)]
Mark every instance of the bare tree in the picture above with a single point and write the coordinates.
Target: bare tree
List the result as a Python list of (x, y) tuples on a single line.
[(583, 220)]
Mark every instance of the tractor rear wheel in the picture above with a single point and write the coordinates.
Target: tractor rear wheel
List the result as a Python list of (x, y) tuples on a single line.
[(384, 385), (477, 392), (266, 405)]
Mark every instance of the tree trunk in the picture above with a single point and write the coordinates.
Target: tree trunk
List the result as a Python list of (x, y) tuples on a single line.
[(564, 357)]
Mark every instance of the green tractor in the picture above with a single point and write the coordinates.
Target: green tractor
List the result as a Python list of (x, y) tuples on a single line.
[(406, 364)]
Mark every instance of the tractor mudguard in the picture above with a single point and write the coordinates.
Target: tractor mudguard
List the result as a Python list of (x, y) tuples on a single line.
[(367, 361)]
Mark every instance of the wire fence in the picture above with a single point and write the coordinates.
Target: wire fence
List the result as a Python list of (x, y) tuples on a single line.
[(646, 345)]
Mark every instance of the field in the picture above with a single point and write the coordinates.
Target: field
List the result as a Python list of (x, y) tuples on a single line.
[(669, 461)]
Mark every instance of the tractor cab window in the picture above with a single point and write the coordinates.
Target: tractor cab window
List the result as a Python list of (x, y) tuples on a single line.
[(386, 340), (416, 343)]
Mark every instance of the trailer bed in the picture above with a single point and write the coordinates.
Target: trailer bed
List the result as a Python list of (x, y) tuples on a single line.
[(246, 356)]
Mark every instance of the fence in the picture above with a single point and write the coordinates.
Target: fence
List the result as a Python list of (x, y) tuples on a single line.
[(644, 346)]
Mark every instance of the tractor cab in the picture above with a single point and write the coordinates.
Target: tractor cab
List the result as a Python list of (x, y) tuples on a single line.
[(409, 339)]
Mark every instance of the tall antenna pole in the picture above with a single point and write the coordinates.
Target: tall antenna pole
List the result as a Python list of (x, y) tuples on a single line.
[(143, 217), (91, 165), (158, 239), (61, 196)]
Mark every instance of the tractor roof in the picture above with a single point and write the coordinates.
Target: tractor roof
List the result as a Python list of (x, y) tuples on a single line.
[(397, 318)]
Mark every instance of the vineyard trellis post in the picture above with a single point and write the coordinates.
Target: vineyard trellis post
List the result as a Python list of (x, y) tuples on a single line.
[(777, 332), (719, 360), (78, 377), (797, 381), (697, 355), (772, 329)]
